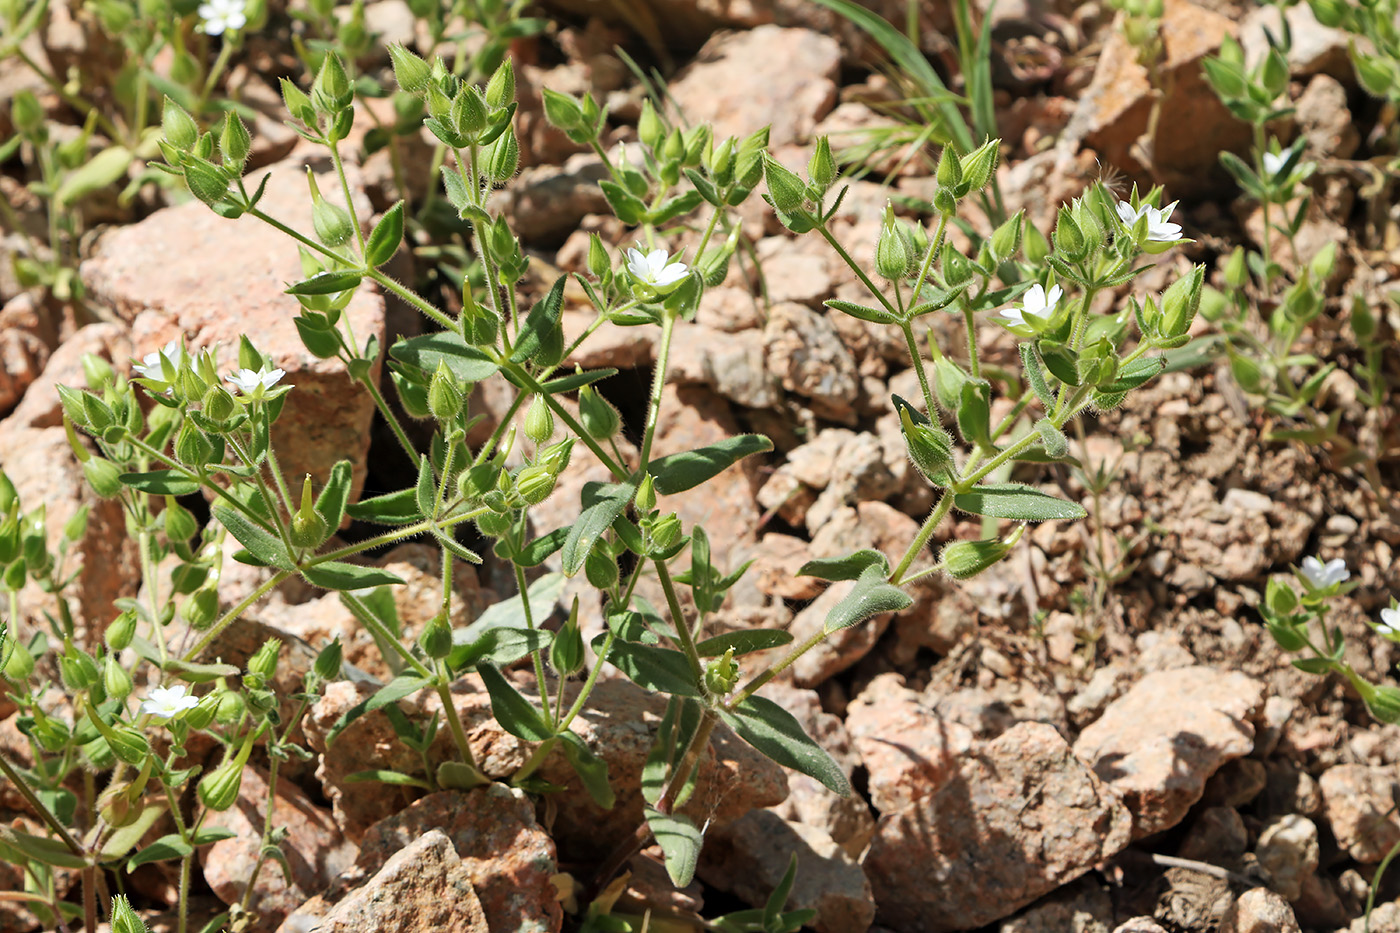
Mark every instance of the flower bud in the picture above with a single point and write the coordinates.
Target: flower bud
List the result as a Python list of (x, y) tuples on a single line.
[(721, 163), (893, 257), (539, 421), (1330, 13), (1236, 270), (535, 483), (1384, 703), (599, 262), (566, 652), (1363, 322), (597, 415), (929, 446), (218, 790), (231, 707), (120, 631), (200, 716), (8, 495), (219, 404), (1181, 301), (1273, 73), (180, 129), (650, 130), (411, 73), (235, 143), (479, 325), (821, 168), (328, 661), (77, 668), (949, 173), (1280, 598), (1007, 238), (502, 157), (785, 189), (945, 202), (436, 637), (445, 399), (263, 663), (721, 674), (1069, 239), (298, 104), (115, 679), (666, 532), (124, 919), (500, 90), (957, 268), (103, 476), (308, 527), (496, 524), (963, 559), (202, 608), (646, 495), (18, 663), (332, 91), (27, 114), (979, 164), (331, 222)]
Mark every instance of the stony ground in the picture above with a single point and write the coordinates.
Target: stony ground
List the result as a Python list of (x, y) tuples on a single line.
[(1035, 750)]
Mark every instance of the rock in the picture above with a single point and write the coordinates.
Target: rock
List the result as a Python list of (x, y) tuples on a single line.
[(1358, 803), (742, 81), (1236, 783), (1140, 925), (544, 203), (777, 560), (805, 353), (26, 339), (749, 857), (423, 888), (40, 407), (1013, 822), (184, 273), (1316, 49), (1384, 919), (840, 649), (795, 271), (731, 364), (609, 345), (1324, 120), (1288, 850), (1158, 754), (1259, 910), (1319, 905), (1115, 110), (1081, 906), (1217, 836), (507, 856), (316, 850)]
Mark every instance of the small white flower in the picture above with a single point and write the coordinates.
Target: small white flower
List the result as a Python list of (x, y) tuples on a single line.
[(1038, 304), (166, 702), (248, 382), (1274, 161), (1159, 229), (1320, 576), (220, 16), (150, 365), (1390, 622), (654, 269)]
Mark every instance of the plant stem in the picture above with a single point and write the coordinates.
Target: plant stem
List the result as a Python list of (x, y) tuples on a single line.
[(14, 777), (917, 360), (916, 547), (683, 634), (658, 385), (856, 268), (536, 654), (974, 363), (413, 298), (449, 709), (530, 383), (218, 627)]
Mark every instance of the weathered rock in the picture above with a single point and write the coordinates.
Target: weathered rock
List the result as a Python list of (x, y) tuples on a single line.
[(1116, 108), (1015, 821), (423, 888), (315, 849), (26, 338), (793, 270), (1259, 910), (1140, 925), (1081, 906), (743, 81), (1384, 919), (185, 273), (1217, 835), (1159, 743), (1324, 120), (1316, 49), (1236, 783), (1288, 850), (1358, 801), (841, 648), (40, 407), (731, 364), (544, 203), (748, 858), (806, 354)]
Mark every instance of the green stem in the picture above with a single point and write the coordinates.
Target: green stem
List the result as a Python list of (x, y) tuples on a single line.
[(588, 684), (383, 636), (759, 680), (220, 63), (218, 627), (856, 268), (536, 654), (413, 298), (974, 362), (933, 251), (77, 103), (917, 360), (916, 547), (658, 385), (683, 635), (389, 417), (454, 722), (562, 413)]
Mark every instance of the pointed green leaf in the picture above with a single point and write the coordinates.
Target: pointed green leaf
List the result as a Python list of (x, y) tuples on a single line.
[(541, 322), (592, 771), (1012, 500), (602, 504), (466, 362), (871, 596), (338, 575), (689, 469), (392, 692), (680, 840), (743, 641), (261, 543), (517, 715), (776, 733)]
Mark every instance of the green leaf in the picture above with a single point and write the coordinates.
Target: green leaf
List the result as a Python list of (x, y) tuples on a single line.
[(466, 362), (871, 596), (499, 646), (261, 543), (17, 847), (1012, 500), (743, 641), (326, 283), (338, 575), (384, 776), (330, 504), (773, 907), (449, 543), (392, 692), (540, 324), (517, 715), (161, 483), (197, 673), (592, 771), (1035, 375), (689, 469), (651, 667), (680, 841), (776, 733), (1134, 374), (166, 848), (127, 837), (862, 312), (629, 208), (101, 170), (602, 504), (849, 567), (209, 835), (535, 553), (1313, 665), (394, 508), (576, 380), (384, 240)]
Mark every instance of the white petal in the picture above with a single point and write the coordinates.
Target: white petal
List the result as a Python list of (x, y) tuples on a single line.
[(1056, 293)]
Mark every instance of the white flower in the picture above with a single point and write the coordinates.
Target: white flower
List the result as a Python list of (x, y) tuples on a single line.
[(1390, 622), (1037, 304), (255, 383), (1274, 161), (653, 268), (166, 702), (1320, 576), (150, 365), (1159, 229), (222, 16)]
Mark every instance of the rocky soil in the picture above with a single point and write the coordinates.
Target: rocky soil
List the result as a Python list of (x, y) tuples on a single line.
[(1034, 751)]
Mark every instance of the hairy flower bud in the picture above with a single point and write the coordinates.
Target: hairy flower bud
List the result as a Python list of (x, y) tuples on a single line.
[(436, 637), (539, 421), (263, 663), (116, 680), (929, 446), (411, 73), (566, 654), (963, 559), (500, 90), (218, 790), (535, 483), (893, 256), (821, 168), (103, 476), (180, 129), (445, 398), (597, 415)]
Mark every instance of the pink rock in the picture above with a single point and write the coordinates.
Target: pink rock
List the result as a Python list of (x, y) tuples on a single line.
[(40, 407), (1259, 910), (1359, 802)]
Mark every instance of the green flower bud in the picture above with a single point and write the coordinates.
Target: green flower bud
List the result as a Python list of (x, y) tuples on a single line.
[(821, 168), (102, 475), (555, 457), (535, 483), (1007, 238), (721, 674), (599, 262), (469, 115), (566, 652), (785, 189), (411, 73), (1280, 598), (331, 222), (721, 163), (893, 257), (263, 663), (120, 631), (500, 90), (979, 164), (1363, 322), (124, 919), (597, 415), (445, 399), (97, 371), (18, 662), (502, 157), (8, 495), (234, 142), (27, 114), (309, 528), (929, 446), (1384, 703), (201, 608), (436, 637), (206, 181), (199, 717), (1181, 301), (1330, 13), (697, 139), (1069, 239), (328, 661), (115, 679), (949, 172), (945, 202), (298, 104), (1236, 270), (218, 790), (219, 404), (1273, 73), (539, 421), (496, 524), (957, 268), (231, 707), (565, 112), (179, 127), (332, 91), (646, 495), (9, 539), (77, 668), (1324, 262), (666, 532), (963, 559), (650, 130)]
